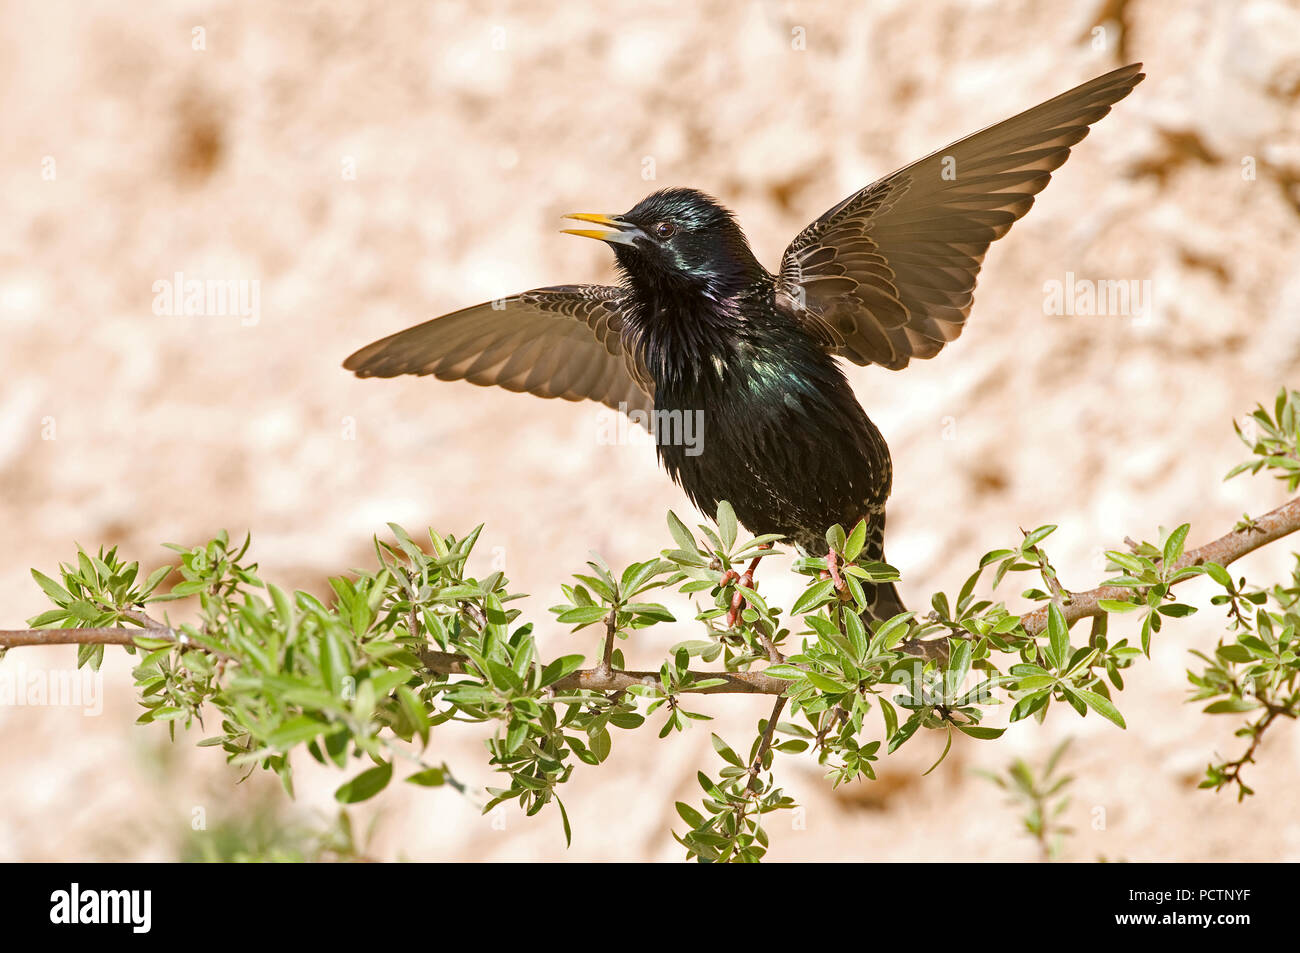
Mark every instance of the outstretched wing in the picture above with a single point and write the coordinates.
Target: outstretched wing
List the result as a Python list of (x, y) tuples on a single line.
[(566, 341), (889, 273)]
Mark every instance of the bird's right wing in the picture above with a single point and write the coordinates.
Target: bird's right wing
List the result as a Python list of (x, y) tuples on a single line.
[(567, 341), (889, 273)]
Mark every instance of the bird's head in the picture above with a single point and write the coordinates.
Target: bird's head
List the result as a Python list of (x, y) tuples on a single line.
[(677, 239)]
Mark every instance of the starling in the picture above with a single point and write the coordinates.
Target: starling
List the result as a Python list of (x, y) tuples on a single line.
[(699, 327)]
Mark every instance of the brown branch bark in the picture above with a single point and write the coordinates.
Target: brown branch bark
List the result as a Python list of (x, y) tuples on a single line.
[(606, 666), (765, 745), (111, 635), (104, 635), (1226, 549)]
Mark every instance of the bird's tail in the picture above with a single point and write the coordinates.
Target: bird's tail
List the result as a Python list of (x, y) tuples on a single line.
[(883, 600)]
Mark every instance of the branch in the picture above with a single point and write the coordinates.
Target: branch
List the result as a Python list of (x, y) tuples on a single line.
[(734, 683), (111, 635), (104, 635), (1226, 549), (606, 666), (765, 745), (442, 663)]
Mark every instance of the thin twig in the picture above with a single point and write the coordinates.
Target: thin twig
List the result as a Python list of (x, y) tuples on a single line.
[(606, 667), (1226, 549), (765, 745)]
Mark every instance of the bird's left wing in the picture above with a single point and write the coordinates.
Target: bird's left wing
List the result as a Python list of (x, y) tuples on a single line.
[(889, 273), (567, 341)]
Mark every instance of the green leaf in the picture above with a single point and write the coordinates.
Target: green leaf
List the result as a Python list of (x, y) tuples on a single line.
[(365, 785), (685, 538), (1098, 703), (429, 778), (1173, 549), (835, 538), (1058, 635), (1116, 605), (1037, 536), (516, 734), (691, 816), (414, 711), (857, 635), (1219, 575), (582, 615), (857, 539), (812, 597), (722, 748), (564, 822), (958, 667), (946, 748), (980, 731), (785, 670), (1234, 653), (295, 730), (52, 589), (49, 617), (825, 683), (727, 527), (561, 667), (905, 732), (601, 744), (890, 715), (1231, 706)]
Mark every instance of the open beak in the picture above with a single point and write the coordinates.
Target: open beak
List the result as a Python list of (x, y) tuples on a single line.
[(620, 233)]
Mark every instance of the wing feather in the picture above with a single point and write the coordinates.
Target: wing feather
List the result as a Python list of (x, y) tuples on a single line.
[(888, 274), (566, 341)]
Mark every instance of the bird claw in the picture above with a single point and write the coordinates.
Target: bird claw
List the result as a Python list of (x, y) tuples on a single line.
[(833, 573), (737, 607), (745, 579)]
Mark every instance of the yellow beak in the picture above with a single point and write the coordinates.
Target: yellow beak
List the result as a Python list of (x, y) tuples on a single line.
[(621, 233)]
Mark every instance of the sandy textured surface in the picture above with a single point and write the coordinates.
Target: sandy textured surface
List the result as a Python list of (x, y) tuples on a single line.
[(470, 130)]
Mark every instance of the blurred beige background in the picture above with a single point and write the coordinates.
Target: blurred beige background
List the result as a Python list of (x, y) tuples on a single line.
[(374, 165)]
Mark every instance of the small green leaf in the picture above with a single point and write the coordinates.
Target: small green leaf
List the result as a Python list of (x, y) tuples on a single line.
[(429, 778), (1058, 635), (722, 748), (1231, 706), (1173, 549), (727, 527), (685, 538), (1098, 703), (980, 731), (825, 683), (365, 785), (1116, 605)]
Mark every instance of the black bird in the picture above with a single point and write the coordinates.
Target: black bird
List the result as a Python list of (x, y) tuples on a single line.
[(698, 324)]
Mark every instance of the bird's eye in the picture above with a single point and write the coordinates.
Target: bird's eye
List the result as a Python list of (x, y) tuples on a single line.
[(665, 229)]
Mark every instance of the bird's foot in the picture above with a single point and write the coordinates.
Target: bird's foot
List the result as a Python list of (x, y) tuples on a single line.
[(737, 607), (833, 573), (745, 579)]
